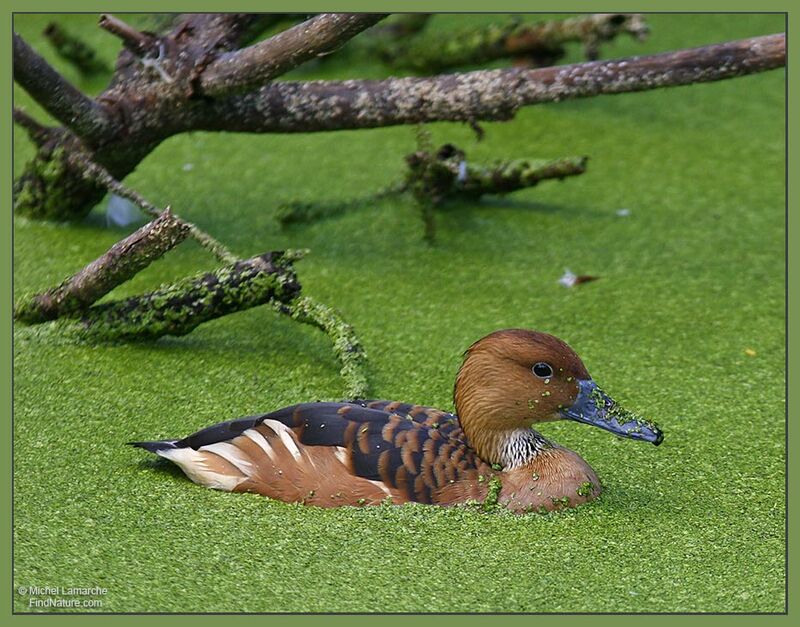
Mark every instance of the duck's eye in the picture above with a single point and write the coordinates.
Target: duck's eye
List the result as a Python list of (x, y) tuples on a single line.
[(542, 370)]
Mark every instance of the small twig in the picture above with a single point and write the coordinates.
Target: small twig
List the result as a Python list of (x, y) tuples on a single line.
[(120, 263), (135, 41), (75, 51), (510, 176), (39, 134), (101, 176), (254, 66), (434, 178), (149, 62), (87, 118), (346, 344), (178, 308)]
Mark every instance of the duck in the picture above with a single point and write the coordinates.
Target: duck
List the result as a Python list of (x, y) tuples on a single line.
[(371, 452)]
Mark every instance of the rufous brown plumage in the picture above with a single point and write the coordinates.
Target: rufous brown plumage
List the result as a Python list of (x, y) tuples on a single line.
[(365, 452)]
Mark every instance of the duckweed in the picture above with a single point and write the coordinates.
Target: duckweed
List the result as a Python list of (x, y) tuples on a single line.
[(704, 242)]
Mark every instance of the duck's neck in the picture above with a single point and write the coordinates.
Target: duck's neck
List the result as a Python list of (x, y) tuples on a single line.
[(509, 448)]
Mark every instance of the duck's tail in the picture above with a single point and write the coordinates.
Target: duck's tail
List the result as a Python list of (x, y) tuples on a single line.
[(155, 446)]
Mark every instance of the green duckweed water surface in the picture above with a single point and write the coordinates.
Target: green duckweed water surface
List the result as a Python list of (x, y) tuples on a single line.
[(691, 279)]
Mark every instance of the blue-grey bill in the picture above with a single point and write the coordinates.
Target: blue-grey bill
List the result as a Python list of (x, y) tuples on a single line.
[(595, 407)]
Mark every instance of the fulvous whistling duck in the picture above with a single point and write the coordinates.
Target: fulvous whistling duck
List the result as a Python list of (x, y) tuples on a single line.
[(367, 452)]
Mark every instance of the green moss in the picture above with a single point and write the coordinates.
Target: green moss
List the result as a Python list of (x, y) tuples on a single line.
[(493, 492), (703, 241)]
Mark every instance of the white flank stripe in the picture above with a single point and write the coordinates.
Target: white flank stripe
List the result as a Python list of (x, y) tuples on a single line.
[(258, 438), (381, 485), (232, 454), (286, 435), (341, 454), (193, 465)]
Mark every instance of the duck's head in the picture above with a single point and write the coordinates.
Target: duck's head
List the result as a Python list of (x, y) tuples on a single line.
[(514, 378)]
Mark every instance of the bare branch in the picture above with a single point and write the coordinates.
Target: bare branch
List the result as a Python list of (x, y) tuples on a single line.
[(254, 66), (63, 101), (135, 41), (121, 262), (482, 95), (220, 31)]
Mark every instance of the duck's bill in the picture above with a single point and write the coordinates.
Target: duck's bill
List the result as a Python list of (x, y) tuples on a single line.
[(595, 407)]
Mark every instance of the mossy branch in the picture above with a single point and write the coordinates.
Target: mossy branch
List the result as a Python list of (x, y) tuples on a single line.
[(154, 91), (403, 25), (434, 177), (448, 174), (179, 307), (540, 44), (120, 263), (346, 344), (482, 95)]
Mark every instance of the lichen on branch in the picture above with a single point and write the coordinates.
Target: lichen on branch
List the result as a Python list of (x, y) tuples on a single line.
[(538, 44), (178, 308), (346, 344), (121, 262)]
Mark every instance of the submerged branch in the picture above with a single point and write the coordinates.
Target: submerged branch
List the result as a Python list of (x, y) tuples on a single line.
[(120, 263), (434, 178), (296, 212), (346, 344), (541, 43), (481, 95), (254, 66)]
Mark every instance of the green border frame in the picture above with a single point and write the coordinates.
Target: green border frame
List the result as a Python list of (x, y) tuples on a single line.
[(505, 6)]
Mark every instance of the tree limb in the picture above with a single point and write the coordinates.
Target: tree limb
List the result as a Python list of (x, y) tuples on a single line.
[(254, 66), (63, 101), (178, 308), (121, 262), (482, 95)]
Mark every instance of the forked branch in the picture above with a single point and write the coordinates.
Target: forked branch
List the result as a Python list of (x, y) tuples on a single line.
[(253, 66)]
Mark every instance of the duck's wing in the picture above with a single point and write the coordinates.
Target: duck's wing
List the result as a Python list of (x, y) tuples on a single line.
[(445, 422), (333, 454)]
